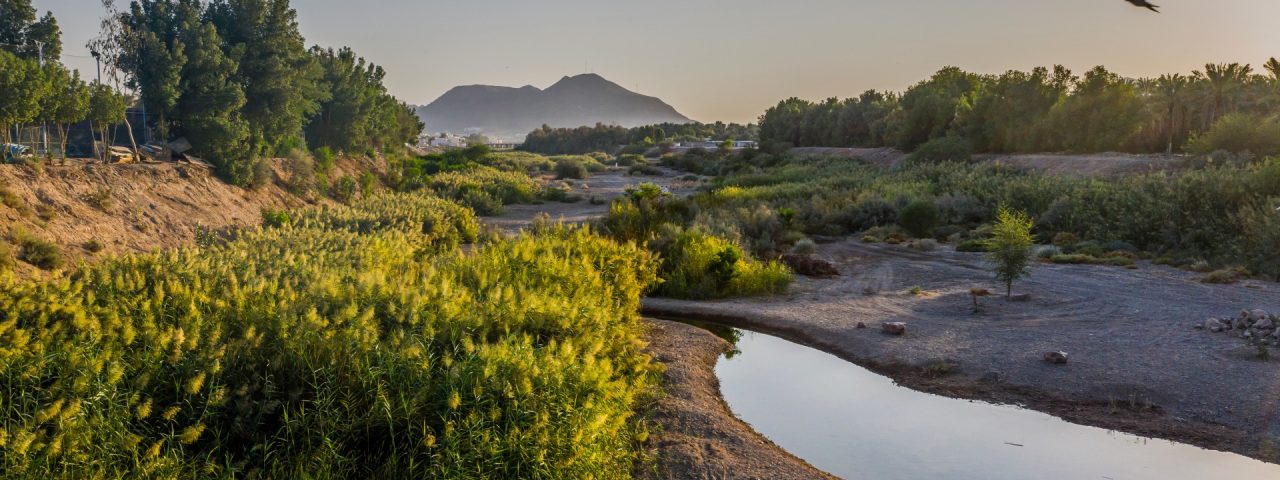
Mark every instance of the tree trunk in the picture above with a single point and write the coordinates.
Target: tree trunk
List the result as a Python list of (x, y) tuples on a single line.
[(132, 142)]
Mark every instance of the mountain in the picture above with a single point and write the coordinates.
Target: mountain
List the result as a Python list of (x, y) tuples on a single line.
[(572, 102)]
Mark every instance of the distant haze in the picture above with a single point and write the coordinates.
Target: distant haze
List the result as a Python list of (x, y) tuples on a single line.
[(729, 60)]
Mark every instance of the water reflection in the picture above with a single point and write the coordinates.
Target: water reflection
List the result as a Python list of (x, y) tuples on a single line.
[(856, 424)]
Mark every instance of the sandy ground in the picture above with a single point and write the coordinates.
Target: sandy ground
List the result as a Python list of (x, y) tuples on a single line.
[(1136, 362), (1097, 164), (698, 437)]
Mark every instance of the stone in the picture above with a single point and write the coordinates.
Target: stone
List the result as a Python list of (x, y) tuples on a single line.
[(1214, 325), (1258, 315), (894, 328), (861, 325), (1265, 323), (810, 266), (1241, 324), (1056, 358)]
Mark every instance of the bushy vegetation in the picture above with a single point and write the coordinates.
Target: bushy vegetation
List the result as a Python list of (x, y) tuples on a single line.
[(1010, 247), (351, 343), (638, 140), (696, 262), (1225, 214), (954, 112)]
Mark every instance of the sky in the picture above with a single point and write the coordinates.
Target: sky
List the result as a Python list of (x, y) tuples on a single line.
[(730, 60)]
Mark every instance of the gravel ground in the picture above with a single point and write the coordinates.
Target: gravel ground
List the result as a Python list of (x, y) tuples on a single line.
[(1136, 362)]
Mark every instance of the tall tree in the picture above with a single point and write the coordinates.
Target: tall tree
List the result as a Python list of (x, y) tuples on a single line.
[(22, 34), (1222, 83), (280, 79), (1172, 93), (106, 108), (65, 102), (210, 104), (22, 86)]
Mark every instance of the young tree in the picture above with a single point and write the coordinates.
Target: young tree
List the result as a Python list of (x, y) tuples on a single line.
[(21, 87), (210, 106), (1010, 247), (106, 108), (66, 102)]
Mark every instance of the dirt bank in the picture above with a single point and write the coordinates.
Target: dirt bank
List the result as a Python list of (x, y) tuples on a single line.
[(698, 437), (135, 207), (1137, 364)]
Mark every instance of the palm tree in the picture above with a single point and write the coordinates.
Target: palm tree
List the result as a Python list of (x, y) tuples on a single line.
[(1172, 92), (1223, 82)]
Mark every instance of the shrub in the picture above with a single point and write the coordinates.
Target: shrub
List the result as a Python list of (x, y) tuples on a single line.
[(1239, 132), (301, 169), (645, 169), (919, 218), (972, 245), (1225, 276), (94, 246), (945, 149), (924, 245), (1065, 239), (696, 265), (1090, 248), (570, 168), (509, 187), (629, 160), (1047, 252), (12, 200), (6, 257), (324, 160), (101, 199), (1010, 247), (804, 247), (37, 251), (1074, 259), (275, 218), (344, 189), (483, 203)]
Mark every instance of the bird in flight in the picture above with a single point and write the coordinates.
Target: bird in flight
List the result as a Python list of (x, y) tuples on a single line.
[(1145, 4)]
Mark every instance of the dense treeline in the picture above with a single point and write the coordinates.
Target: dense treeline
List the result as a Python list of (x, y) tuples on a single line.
[(353, 342), (1048, 110), (609, 138), (36, 88), (235, 78)]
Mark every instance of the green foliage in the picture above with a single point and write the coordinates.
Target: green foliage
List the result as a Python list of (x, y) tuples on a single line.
[(21, 87), (311, 351), (273, 218), (944, 149), (1240, 133), (37, 251), (1009, 247), (697, 265), (571, 168), (508, 188), (344, 189), (919, 218), (610, 138)]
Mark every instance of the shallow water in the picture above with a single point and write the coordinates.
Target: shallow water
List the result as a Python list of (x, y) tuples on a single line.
[(856, 424)]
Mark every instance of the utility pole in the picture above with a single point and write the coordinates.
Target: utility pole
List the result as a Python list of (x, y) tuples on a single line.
[(44, 129)]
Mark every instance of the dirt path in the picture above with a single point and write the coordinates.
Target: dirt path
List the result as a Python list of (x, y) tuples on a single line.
[(699, 438), (1137, 363)]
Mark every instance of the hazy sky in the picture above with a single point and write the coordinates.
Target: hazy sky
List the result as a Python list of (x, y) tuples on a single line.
[(730, 60)]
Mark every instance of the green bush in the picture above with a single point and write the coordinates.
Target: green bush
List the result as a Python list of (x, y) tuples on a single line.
[(344, 189), (1009, 247), (37, 251), (697, 265), (1237, 133), (275, 218), (324, 160), (570, 168), (629, 160), (509, 187), (919, 218), (945, 149)]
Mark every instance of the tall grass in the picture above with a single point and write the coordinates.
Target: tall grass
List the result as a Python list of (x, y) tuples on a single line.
[(353, 342)]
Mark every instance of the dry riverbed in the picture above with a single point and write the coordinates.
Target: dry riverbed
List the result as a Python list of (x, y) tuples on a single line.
[(1137, 364)]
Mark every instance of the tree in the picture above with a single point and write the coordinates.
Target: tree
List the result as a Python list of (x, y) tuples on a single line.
[(279, 78), (1010, 247), (210, 106), (1222, 84), (66, 102), (477, 139), (106, 108), (26, 37), (1172, 92), (21, 87)]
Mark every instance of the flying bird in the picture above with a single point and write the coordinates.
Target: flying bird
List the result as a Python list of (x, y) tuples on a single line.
[(1145, 4)]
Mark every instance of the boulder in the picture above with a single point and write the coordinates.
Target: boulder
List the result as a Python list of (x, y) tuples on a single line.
[(1056, 358), (894, 328), (1240, 324), (810, 266), (861, 325), (1265, 323), (1214, 325), (1257, 315)]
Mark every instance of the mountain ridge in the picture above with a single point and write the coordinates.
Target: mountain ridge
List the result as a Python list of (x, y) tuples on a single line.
[(573, 101)]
